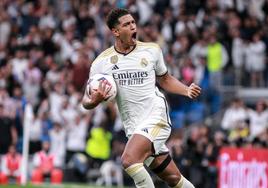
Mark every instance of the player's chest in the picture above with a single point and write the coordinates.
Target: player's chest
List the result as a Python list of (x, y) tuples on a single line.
[(139, 62)]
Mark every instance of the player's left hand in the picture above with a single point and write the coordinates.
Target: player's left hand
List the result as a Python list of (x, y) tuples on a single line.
[(193, 91)]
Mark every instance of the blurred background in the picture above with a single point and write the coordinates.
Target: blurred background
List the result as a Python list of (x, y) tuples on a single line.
[(46, 50)]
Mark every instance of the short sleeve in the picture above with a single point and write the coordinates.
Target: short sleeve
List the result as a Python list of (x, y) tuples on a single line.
[(95, 68), (92, 70), (160, 67)]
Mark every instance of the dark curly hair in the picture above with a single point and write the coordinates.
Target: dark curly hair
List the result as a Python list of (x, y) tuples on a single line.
[(114, 15)]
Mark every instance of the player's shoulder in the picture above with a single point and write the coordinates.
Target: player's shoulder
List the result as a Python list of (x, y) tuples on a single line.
[(152, 45), (104, 55)]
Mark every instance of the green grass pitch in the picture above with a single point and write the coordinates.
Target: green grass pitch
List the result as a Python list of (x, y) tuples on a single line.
[(55, 186)]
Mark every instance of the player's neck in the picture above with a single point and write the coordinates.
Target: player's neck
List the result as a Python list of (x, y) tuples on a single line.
[(123, 48)]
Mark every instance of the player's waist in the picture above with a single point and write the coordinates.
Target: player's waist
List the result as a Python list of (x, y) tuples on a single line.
[(139, 96)]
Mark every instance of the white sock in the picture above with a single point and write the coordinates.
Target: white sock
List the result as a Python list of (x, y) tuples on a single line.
[(140, 176), (184, 183)]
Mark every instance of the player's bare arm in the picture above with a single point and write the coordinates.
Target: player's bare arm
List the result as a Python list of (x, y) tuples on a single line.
[(172, 85), (92, 98)]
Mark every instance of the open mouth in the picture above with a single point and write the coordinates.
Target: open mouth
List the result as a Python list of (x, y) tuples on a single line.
[(134, 36)]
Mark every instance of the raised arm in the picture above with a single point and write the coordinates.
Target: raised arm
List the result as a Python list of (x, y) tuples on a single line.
[(173, 85)]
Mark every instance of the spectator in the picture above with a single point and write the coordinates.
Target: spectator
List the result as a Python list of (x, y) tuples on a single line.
[(194, 154), (57, 137), (7, 130), (80, 71), (166, 30), (238, 55), (65, 41), (98, 145), (36, 134), (47, 43), (11, 166), (258, 119), (56, 100), (44, 166), (47, 21), (84, 20), (198, 50), (5, 27), (29, 17), (234, 114), (20, 103), (31, 84), (19, 64), (211, 158), (217, 59), (76, 136), (255, 61), (53, 72), (111, 170), (176, 146)]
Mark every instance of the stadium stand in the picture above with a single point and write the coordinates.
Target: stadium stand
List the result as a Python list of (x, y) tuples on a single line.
[(46, 50)]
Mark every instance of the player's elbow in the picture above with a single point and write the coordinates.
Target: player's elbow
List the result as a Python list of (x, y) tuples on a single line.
[(164, 79), (87, 104)]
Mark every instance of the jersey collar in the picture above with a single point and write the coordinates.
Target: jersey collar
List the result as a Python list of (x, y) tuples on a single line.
[(126, 53)]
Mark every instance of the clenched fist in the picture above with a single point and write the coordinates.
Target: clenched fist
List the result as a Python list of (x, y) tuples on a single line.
[(193, 91)]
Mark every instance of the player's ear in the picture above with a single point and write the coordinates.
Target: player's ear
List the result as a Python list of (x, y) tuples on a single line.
[(115, 31)]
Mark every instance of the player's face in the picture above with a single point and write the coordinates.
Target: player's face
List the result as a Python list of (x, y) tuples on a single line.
[(126, 30)]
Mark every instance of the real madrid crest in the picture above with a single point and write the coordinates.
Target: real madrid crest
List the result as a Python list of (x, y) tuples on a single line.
[(114, 59), (144, 62)]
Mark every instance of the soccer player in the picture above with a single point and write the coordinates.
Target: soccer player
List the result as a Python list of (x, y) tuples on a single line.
[(135, 67)]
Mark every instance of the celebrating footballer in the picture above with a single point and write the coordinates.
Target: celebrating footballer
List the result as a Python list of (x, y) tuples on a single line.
[(135, 67)]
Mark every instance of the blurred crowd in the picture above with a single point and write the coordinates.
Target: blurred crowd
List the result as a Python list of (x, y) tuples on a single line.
[(47, 47)]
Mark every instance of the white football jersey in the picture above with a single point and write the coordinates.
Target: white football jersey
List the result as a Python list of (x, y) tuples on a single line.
[(135, 76)]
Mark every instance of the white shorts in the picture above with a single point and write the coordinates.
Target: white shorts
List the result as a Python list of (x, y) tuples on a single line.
[(156, 127)]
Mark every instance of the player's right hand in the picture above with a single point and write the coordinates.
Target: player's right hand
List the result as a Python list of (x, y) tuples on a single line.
[(100, 94)]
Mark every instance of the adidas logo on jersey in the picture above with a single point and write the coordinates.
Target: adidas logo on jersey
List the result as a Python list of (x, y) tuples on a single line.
[(115, 67), (145, 130)]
